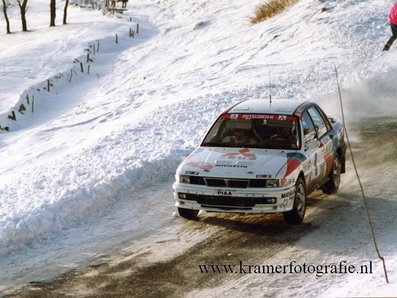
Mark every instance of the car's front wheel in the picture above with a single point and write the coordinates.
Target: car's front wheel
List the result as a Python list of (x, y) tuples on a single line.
[(188, 213), (332, 185), (296, 215)]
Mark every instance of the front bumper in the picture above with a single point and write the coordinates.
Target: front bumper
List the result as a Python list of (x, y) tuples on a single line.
[(235, 200)]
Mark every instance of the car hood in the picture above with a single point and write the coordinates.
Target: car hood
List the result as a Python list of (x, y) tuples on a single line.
[(240, 163)]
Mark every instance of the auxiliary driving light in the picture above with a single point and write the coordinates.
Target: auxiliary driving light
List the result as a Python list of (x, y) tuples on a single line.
[(182, 196)]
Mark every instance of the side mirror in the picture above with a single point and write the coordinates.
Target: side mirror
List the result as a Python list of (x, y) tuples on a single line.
[(332, 119)]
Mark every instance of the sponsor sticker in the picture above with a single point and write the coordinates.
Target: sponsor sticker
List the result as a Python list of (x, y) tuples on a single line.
[(259, 116), (206, 166), (243, 153), (263, 176), (225, 193), (288, 194)]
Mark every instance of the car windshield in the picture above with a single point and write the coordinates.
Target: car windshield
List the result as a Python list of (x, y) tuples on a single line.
[(267, 131)]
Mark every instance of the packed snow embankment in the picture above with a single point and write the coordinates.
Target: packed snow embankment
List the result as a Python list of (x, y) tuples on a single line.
[(68, 189)]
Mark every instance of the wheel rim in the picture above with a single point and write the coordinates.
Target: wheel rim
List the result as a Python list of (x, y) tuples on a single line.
[(300, 199), (336, 172)]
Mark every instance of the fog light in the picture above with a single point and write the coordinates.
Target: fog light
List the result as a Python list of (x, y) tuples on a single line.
[(270, 200), (182, 196)]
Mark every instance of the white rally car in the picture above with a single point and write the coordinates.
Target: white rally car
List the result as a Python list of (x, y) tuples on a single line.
[(262, 157)]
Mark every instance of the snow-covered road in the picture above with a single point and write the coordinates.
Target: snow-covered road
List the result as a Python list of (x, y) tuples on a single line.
[(156, 252)]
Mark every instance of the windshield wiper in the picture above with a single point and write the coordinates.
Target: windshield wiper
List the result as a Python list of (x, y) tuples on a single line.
[(213, 144)]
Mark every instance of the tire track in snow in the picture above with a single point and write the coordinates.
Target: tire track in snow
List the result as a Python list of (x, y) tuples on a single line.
[(236, 238)]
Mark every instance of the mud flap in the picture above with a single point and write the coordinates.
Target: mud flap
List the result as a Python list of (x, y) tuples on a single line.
[(343, 165)]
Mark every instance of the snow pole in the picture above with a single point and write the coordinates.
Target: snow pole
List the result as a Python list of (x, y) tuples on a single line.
[(270, 88), (358, 178)]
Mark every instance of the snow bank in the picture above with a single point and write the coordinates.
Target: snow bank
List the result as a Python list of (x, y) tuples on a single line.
[(60, 194)]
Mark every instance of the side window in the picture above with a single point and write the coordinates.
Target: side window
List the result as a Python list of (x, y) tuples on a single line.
[(319, 122), (309, 131)]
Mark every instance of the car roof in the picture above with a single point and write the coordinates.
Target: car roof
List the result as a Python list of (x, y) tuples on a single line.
[(265, 106)]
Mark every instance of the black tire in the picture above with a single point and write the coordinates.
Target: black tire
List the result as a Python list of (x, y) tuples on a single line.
[(188, 213), (332, 185), (296, 215)]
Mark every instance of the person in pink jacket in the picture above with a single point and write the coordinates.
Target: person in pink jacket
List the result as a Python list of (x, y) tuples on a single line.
[(393, 25)]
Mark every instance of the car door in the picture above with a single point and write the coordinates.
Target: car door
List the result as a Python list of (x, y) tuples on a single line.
[(311, 147), (324, 156)]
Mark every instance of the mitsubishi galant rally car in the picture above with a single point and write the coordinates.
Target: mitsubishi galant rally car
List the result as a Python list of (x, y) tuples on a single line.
[(262, 157)]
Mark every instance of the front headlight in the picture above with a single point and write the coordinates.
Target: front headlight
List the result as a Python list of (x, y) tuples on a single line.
[(272, 182), (184, 179), (277, 182)]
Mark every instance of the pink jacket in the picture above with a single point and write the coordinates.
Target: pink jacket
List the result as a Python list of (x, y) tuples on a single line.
[(393, 14)]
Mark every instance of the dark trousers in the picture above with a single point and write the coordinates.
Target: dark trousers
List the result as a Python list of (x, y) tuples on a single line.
[(392, 38)]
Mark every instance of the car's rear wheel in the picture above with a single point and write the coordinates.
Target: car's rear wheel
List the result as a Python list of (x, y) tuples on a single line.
[(188, 213), (332, 185), (296, 215)]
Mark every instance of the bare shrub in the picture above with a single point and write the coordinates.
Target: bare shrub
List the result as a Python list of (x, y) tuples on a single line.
[(270, 8)]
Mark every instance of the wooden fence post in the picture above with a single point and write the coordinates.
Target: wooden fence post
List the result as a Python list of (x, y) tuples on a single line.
[(12, 116)]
